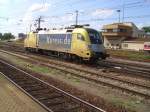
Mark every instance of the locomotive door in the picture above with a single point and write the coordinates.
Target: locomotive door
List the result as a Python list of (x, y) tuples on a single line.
[(78, 43), (74, 45)]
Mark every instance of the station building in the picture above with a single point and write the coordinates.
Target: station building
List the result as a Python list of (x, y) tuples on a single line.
[(124, 36), (136, 44)]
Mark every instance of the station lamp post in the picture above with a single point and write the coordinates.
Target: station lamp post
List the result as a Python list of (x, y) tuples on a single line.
[(119, 15)]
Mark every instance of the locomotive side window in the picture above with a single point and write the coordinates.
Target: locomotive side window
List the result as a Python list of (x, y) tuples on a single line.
[(80, 37), (42, 38)]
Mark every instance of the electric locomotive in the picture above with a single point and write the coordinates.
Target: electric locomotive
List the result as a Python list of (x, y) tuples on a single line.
[(77, 43)]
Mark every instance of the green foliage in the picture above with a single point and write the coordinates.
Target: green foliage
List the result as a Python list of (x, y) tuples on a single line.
[(1, 35), (6, 36), (146, 29)]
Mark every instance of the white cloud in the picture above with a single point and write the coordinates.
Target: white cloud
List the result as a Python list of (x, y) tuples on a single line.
[(102, 13), (4, 2), (67, 18), (39, 7), (140, 25), (27, 17)]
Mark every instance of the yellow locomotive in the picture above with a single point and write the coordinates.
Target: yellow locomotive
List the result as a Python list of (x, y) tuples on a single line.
[(76, 44)]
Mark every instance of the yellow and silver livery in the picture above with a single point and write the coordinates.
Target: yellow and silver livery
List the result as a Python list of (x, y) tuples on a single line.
[(77, 43)]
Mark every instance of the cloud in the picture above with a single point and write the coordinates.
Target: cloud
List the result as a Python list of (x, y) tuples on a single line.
[(140, 25), (39, 7), (34, 8), (67, 18), (9, 2), (102, 13), (4, 2)]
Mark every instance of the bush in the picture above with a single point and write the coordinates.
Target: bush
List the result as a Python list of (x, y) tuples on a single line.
[(6, 36)]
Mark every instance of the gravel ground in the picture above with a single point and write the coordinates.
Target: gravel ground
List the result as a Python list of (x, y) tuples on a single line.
[(112, 59), (105, 93), (14, 100)]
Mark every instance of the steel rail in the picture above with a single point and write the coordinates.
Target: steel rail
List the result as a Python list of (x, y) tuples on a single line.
[(83, 70), (95, 80), (49, 110), (124, 67), (59, 90), (144, 73), (98, 81)]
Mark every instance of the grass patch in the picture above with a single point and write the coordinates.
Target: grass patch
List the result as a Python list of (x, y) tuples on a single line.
[(40, 69), (131, 104), (76, 80), (133, 55)]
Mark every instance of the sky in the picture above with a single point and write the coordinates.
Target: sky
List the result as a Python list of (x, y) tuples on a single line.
[(18, 16)]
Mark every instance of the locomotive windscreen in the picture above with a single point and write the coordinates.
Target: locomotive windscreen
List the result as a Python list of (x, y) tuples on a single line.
[(94, 36)]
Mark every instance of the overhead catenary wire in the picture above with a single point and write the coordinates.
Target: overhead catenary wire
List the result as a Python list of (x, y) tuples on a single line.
[(127, 5), (136, 4), (88, 11)]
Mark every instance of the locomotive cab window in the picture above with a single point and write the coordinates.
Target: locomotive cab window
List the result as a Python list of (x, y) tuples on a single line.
[(80, 37), (94, 36)]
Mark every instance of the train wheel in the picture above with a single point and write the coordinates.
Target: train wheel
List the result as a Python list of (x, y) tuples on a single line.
[(26, 48), (79, 60), (71, 57), (40, 51), (65, 56), (103, 57)]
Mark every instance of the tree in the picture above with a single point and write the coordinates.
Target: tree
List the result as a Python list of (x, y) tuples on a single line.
[(146, 29), (7, 36), (1, 36)]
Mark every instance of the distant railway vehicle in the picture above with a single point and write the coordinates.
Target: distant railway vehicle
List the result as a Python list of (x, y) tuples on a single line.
[(76, 44), (147, 47)]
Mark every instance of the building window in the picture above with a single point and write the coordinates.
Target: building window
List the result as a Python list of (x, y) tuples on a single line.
[(117, 45), (104, 30), (109, 30), (115, 30), (122, 30), (125, 45)]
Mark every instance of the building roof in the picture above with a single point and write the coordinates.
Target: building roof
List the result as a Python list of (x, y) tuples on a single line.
[(117, 25), (131, 24)]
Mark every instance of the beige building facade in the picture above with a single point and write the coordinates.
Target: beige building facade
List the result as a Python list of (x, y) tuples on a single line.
[(122, 36), (114, 34), (137, 46)]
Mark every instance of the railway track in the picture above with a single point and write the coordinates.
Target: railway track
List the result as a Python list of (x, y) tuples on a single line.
[(51, 98), (134, 88), (143, 72), (139, 71)]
